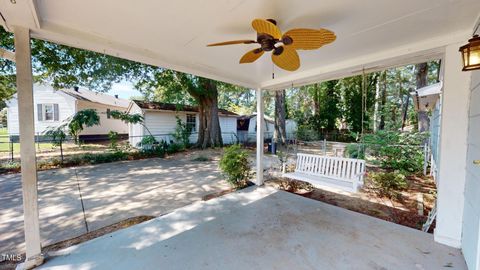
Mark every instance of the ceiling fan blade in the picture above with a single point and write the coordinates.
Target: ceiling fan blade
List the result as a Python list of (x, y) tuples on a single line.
[(243, 41), (286, 57), (251, 56), (308, 39), (266, 27)]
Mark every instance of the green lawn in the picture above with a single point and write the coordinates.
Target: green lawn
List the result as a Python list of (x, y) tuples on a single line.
[(5, 145)]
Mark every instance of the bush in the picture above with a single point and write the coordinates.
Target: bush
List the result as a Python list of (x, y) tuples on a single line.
[(97, 158), (113, 137), (306, 133), (235, 166), (174, 148), (355, 150), (389, 183), (182, 133), (11, 165), (398, 151), (147, 142)]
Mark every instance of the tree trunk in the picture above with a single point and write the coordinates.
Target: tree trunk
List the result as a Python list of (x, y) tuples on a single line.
[(280, 134), (421, 71), (209, 131), (381, 125), (316, 102), (376, 107), (405, 112)]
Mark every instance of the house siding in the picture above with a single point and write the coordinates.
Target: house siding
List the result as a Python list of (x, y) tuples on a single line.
[(162, 125), (106, 124), (67, 106), (471, 216), (42, 95)]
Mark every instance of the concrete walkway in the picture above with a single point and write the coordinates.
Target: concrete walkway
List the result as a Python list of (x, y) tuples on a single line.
[(261, 228), (111, 193)]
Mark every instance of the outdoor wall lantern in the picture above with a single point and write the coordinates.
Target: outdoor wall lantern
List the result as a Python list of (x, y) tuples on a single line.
[(471, 54)]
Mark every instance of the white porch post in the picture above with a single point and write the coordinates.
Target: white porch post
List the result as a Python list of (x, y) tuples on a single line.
[(27, 147), (260, 131), (453, 149)]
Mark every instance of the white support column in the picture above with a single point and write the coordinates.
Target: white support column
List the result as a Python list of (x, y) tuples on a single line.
[(453, 149), (260, 132), (27, 147)]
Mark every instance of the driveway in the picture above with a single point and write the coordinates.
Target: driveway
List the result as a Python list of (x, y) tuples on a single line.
[(111, 193)]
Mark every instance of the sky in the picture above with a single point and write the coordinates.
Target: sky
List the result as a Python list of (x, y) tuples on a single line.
[(124, 90)]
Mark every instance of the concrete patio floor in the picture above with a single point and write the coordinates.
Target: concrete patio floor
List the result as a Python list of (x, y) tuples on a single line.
[(111, 193), (260, 228)]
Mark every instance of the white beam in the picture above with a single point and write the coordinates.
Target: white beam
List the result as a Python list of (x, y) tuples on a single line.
[(6, 54), (260, 131), (453, 149), (27, 147)]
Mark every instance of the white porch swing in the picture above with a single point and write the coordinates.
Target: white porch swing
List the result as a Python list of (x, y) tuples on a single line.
[(337, 172)]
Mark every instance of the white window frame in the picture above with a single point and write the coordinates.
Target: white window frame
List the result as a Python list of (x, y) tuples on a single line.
[(189, 124), (44, 114)]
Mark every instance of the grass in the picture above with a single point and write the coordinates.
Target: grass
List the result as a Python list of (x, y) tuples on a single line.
[(5, 144)]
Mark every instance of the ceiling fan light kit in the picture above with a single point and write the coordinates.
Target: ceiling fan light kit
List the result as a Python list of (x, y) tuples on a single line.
[(283, 47)]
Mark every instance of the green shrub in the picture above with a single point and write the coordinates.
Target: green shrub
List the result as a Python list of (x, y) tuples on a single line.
[(113, 137), (182, 133), (398, 150), (355, 150), (174, 148), (235, 166), (11, 165), (147, 142), (90, 158), (389, 183), (306, 133)]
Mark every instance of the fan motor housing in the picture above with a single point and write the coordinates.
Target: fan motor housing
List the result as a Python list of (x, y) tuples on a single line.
[(267, 42)]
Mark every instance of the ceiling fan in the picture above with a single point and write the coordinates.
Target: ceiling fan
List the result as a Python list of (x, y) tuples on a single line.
[(284, 47)]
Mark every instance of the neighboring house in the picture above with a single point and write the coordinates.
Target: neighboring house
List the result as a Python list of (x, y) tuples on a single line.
[(247, 128), (428, 99), (53, 107), (161, 121)]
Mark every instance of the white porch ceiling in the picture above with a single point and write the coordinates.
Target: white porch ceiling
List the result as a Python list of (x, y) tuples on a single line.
[(173, 34)]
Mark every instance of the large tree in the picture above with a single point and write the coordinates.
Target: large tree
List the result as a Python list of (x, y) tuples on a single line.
[(280, 134), (421, 75)]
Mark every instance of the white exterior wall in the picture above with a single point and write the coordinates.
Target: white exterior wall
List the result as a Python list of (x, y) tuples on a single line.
[(228, 124), (291, 128), (453, 149), (42, 94), (135, 131), (471, 215), (106, 125), (435, 121), (252, 129), (162, 125)]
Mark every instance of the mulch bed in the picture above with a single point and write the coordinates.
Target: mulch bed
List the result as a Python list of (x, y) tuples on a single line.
[(402, 210)]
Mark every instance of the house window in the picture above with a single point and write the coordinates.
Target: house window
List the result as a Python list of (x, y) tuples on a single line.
[(48, 112), (192, 122), (108, 113)]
